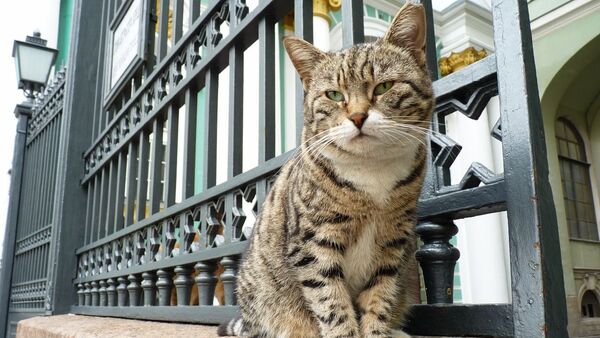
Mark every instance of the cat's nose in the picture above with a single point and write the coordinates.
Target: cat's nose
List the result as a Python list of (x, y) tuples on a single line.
[(358, 119)]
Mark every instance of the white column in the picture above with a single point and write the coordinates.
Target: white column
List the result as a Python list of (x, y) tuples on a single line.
[(482, 240), (321, 33), (322, 41)]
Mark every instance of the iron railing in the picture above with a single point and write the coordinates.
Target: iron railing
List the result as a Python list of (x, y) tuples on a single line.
[(28, 271), (149, 233)]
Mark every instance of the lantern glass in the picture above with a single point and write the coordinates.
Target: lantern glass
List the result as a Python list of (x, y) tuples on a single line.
[(33, 62)]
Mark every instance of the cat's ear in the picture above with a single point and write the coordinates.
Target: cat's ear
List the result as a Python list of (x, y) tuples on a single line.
[(304, 56), (408, 28)]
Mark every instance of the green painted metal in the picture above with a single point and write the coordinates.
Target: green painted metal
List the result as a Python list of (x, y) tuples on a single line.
[(283, 114), (200, 148), (64, 33), (23, 113)]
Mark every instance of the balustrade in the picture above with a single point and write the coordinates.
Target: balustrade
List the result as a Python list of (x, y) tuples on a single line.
[(172, 232)]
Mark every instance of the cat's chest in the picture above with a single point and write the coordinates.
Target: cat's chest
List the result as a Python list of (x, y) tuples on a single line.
[(377, 179), (359, 262)]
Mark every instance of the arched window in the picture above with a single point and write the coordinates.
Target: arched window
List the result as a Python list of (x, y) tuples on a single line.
[(590, 307), (575, 174)]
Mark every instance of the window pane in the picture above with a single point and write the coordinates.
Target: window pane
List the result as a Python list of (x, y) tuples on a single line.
[(569, 194), (573, 151), (577, 174), (579, 205), (569, 134), (560, 129), (571, 213), (583, 230), (566, 171), (573, 229), (563, 148)]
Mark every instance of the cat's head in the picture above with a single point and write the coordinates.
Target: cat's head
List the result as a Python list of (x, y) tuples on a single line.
[(370, 100)]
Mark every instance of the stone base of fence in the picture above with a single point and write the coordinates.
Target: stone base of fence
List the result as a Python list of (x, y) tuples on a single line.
[(64, 326), (69, 326)]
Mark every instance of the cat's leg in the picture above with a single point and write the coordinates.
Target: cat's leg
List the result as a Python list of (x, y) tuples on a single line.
[(399, 334), (320, 275), (383, 301)]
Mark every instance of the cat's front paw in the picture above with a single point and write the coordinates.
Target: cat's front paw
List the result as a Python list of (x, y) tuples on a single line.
[(400, 334)]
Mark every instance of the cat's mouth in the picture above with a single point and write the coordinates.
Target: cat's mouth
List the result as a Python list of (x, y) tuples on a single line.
[(358, 138), (362, 134)]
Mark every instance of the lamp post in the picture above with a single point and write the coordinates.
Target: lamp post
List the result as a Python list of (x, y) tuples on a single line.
[(33, 61)]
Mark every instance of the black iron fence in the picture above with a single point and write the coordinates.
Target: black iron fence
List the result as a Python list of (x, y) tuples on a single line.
[(157, 238), (27, 272)]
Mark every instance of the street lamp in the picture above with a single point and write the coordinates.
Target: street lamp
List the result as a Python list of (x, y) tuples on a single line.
[(33, 61)]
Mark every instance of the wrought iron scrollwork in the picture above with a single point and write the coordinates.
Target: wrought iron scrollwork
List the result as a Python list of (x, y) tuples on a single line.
[(239, 217), (214, 221), (238, 11)]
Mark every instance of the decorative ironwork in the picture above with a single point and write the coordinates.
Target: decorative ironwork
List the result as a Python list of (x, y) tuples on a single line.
[(214, 221), (210, 226), (34, 240), (189, 232), (437, 258), (206, 281), (149, 286), (47, 105), (183, 284), (122, 293), (164, 285), (153, 95), (134, 288), (28, 295)]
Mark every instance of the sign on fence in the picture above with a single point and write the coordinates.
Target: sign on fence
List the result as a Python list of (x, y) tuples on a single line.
[(126, 41)]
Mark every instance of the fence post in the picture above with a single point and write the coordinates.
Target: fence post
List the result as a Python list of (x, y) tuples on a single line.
[(538, 293), (22, 112), (80, 104)]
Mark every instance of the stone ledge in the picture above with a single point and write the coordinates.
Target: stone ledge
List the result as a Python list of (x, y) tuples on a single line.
[(75, 326), (78, 326)]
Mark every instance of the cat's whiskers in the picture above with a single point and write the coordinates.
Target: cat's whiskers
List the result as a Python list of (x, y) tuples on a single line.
[(325, 141), (425, 132), (397, 128), (295, 158), (395, 138), (418, 122), (317, 146), (417, 128)]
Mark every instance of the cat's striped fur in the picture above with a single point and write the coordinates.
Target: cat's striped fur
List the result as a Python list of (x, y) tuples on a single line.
[(328, 255)]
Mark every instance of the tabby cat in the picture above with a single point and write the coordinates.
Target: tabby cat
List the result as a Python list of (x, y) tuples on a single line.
[(329, 252)]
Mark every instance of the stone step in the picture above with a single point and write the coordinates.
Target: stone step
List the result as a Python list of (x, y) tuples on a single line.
[(77, 326)]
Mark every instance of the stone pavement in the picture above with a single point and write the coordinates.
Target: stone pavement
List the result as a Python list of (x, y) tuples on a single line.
[(75, 326)]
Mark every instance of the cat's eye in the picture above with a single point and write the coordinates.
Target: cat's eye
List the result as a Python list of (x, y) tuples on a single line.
[(335, 95), (383, 87)]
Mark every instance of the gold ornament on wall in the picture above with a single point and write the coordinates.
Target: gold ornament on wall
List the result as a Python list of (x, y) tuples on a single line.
[(321, 8), (169, 25), (457, 61)]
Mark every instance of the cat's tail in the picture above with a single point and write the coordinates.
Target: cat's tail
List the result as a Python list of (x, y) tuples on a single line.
[(233, 327)]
